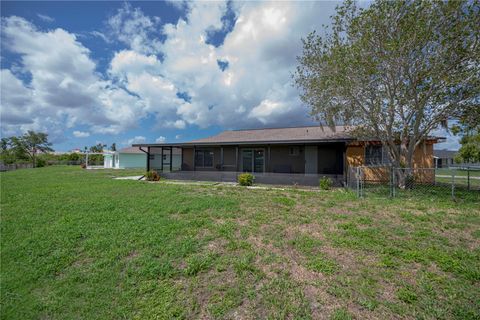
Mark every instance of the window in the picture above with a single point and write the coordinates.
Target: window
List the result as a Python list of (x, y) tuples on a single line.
[(294, 151), (164, 157), (376, 155), (151, 156), (204, 158)]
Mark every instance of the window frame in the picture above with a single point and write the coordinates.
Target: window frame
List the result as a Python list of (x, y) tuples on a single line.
[(203, 152), (384, 157)]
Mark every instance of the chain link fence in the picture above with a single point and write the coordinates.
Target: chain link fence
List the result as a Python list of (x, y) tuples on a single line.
[(388, 181)]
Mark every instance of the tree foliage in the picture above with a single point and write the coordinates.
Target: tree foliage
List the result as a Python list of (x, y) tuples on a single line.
[(470, 149), (27, 146), (469, 129), (395, 71), (98, 148)]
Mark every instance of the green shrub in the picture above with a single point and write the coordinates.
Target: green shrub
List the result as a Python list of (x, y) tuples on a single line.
[(325, 183), (152, 175), (40, 163), (245, 179)]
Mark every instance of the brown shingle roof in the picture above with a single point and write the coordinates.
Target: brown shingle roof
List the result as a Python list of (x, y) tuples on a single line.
[(279, 134)]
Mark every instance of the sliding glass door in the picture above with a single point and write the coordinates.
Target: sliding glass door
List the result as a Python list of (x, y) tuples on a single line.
[(253, 160)]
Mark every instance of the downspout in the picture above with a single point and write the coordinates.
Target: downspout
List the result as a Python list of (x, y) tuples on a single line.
[(221, 158), (162, 159), (194, 150), (236, 159), (148, 160), (181, 160), (269, 158)]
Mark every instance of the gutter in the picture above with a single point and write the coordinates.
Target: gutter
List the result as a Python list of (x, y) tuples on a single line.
[(233, 143)]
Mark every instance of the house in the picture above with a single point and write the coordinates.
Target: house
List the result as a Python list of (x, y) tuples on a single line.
[(134, 157), (444, 158), (298, 155)]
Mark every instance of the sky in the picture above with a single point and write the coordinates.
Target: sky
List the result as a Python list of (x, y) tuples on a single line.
[(133, 72)]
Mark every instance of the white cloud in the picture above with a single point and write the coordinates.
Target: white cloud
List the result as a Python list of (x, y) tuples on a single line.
[(15, 99), (45, 18), (266, 109), (136, 139), (133, 28), (452, 142), (178, 124), (255, 89), (178, 136), (160, 139), (128, 62), (65, 89), (100, 35), (81, 134)]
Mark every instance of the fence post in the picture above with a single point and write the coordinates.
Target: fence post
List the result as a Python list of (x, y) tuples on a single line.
[(391, 182), (362, 183), (453, 184), (394, 184), (468, 178), (358, 182)]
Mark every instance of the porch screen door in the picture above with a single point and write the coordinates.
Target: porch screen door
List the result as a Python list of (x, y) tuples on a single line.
[(253, 160), (247, 160)]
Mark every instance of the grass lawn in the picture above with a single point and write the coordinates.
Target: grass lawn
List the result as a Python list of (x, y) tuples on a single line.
[(76, 244), (458, 172)]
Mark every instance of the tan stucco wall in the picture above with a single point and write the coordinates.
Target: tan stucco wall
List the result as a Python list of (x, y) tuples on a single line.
[(423, 158), (355, 155)]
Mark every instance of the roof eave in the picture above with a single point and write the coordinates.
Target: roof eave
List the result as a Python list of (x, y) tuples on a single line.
[(233, 143), (267, 142)]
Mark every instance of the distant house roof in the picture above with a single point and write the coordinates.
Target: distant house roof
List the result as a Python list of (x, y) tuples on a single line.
[(136, 150), (444, 154), (130, 150)]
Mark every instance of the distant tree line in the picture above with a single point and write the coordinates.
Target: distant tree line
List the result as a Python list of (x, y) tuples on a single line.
[(34, 147), (25, 148)]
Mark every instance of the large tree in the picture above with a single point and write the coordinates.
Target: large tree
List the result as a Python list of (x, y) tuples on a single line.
[(31, 143), (395, 71)]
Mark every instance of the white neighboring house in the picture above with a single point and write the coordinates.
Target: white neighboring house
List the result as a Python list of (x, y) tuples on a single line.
[(444, 158), (130, 157), (133, 157)]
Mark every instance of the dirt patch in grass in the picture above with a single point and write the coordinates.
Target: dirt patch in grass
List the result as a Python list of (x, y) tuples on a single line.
[(131, 256), (82, 261), (313, 229)]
